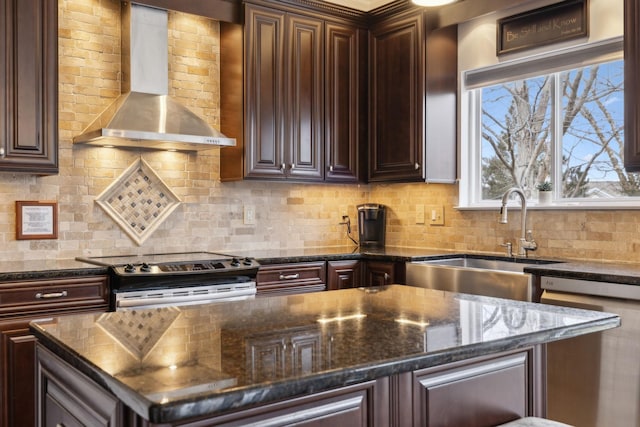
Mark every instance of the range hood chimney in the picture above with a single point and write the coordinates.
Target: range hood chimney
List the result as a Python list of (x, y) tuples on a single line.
[(145, 116)]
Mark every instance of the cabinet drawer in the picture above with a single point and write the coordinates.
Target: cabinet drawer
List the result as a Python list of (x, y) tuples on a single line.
[(292, 278), (78, 293)]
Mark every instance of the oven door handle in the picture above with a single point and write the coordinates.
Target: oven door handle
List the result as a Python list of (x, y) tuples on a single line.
[(177, 300)]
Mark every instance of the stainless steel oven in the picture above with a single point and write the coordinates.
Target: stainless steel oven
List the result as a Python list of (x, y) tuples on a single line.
[(157, 280)]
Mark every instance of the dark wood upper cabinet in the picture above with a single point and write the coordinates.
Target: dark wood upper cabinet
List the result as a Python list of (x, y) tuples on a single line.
[(345, 103), (413, 68), (304, 145), (397, 70), (631, 85), (264, 92), (304, 97), (284, 98), (29, 86)]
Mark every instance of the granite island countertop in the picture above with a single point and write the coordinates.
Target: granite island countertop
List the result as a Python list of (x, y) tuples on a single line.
[(169, 364)]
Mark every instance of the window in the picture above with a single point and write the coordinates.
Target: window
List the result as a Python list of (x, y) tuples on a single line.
[(556, 118)]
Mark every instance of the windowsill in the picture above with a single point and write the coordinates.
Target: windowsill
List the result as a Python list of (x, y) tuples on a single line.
[(559, 206)]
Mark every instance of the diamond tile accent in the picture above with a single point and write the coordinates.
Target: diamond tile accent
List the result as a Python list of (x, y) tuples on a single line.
[(138, 331), (138, 201)]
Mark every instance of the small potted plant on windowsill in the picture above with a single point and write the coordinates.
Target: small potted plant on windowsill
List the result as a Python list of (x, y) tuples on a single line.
[(545, 193)]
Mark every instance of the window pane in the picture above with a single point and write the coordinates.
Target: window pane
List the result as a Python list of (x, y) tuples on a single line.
[(516, 133), (593, 133)]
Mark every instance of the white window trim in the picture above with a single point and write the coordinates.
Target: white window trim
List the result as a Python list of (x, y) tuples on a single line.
[(470, 163)]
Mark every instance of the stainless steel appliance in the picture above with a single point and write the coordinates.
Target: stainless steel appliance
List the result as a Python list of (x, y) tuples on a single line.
[(145, 115), (371, 224), (157, 280), (594, 380)]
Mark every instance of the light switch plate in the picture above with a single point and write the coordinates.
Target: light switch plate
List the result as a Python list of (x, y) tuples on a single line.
[(419, 214), (249, 215), (436, 215)]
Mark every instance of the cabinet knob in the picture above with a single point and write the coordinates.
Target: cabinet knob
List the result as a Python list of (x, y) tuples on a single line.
[(331, 168), (417, 166), (292, 167), (386, 278), (283, 167), (2, 152)]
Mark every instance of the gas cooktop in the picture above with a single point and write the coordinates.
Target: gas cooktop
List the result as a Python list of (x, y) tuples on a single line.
[(172, 263)]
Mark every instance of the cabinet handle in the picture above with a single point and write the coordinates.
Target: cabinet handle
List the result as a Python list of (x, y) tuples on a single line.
[(40, 295), (417, 166), (292, 166), (289, 276), (386, 278), (283, 167), (2, 152), (331, 168)]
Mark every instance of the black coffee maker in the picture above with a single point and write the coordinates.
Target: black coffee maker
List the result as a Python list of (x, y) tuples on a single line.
[(371, 224)]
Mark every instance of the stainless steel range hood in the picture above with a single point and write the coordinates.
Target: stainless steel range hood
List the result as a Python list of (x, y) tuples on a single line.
[(145, 116)]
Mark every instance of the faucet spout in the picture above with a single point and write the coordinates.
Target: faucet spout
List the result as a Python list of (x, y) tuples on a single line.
[(526, 243)]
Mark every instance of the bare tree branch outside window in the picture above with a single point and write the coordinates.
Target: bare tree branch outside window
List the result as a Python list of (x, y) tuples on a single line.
[(517, 134)]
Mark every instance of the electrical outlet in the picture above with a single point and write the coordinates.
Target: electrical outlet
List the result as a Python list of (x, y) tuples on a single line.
[(436, 215), (419, 214), (249, 215)]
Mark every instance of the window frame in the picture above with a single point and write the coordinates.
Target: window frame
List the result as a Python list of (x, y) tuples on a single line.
[(471, 83)]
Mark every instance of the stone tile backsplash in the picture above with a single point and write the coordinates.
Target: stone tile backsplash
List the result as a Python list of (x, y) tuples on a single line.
[(211, 214)]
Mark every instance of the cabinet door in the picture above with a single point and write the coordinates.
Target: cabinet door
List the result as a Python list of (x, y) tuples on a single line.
[(397, 88), (631, 85), (304, 98), (360, 405), (343, 274), (264, 93), (345, 118), (379, 273), (458, 395), (29, 86), (17, 347), (68, 398)]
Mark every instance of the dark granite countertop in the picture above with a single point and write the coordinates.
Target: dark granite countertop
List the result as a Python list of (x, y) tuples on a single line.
[(627, 274), (169, 364), (335, 253), (46, 269)]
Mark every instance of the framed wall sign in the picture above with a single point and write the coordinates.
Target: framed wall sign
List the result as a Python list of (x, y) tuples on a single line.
[(551, 24), (36, 220)]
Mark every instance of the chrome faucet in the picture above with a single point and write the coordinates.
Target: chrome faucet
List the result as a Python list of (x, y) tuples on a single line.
[(526, 242)]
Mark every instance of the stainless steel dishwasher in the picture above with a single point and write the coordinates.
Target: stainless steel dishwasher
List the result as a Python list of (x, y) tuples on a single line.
[(594, 380)]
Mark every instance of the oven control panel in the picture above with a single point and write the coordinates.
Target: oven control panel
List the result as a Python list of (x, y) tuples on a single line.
[(171, 268)]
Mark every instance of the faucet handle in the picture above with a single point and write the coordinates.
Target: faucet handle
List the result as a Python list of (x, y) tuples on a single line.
[(528, 244), (509, 247)]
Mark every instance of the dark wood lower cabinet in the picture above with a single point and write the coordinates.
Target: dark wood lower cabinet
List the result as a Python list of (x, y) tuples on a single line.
[(68, 398), (487, 392), (479, 392), (17, 347), (381, 273), (20, 303), (279, 279), (343, 274)]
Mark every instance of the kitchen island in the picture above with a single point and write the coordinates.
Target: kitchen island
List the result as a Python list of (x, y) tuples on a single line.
[(393, 355)]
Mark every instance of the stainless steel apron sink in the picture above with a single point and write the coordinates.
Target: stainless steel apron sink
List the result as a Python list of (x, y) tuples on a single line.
[(493, 277)]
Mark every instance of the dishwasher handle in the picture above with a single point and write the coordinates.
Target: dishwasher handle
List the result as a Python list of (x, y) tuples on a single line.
[(590, 287)]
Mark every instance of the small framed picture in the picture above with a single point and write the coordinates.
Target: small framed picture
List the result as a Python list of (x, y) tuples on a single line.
[(36, 220)]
